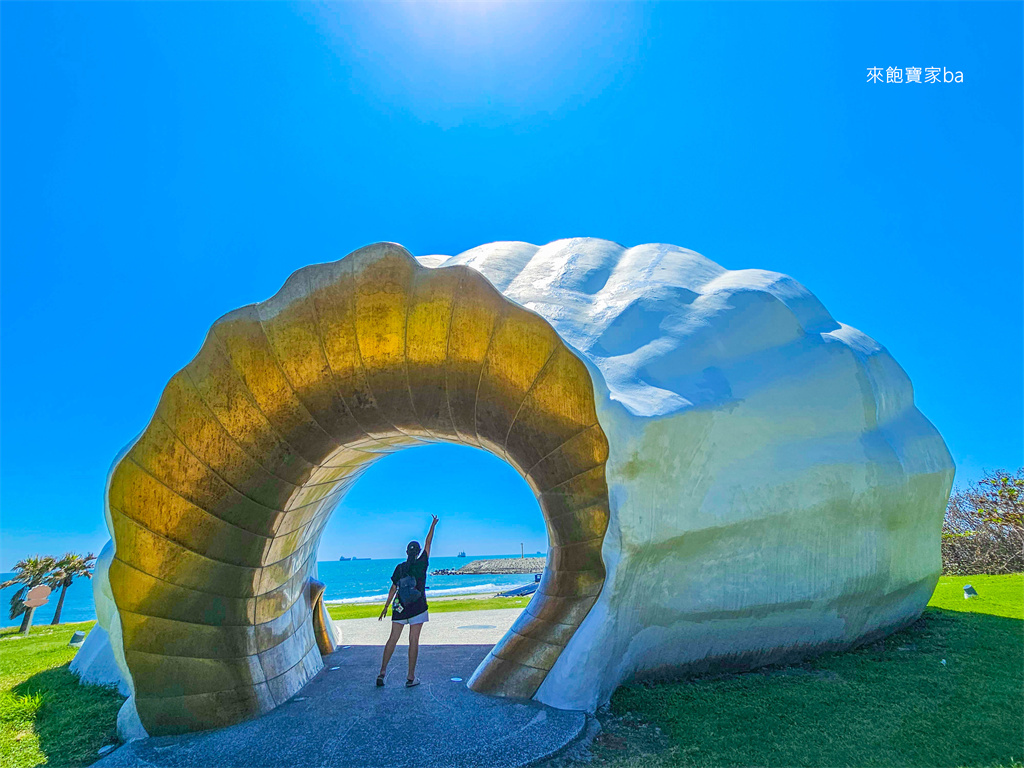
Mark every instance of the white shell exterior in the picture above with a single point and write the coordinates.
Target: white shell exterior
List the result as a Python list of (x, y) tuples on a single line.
[(774, 490)]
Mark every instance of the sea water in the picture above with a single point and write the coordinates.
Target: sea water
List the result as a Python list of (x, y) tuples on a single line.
[(350, 581), (365, 581), (78, 604)]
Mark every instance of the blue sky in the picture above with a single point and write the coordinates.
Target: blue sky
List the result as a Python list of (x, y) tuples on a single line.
[(165, 163)]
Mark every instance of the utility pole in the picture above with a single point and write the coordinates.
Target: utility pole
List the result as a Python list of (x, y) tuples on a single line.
[(522, 552)]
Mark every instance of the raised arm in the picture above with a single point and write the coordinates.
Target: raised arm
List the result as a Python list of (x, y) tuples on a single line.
[(430, 536)]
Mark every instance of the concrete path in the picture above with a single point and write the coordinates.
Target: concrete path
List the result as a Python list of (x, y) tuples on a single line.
[(342, 719), (455, 628)]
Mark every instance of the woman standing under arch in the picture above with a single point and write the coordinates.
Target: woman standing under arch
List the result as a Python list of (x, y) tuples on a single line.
[(409, 592)]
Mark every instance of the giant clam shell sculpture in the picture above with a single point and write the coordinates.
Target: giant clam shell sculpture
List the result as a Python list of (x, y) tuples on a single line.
[(729, 477)]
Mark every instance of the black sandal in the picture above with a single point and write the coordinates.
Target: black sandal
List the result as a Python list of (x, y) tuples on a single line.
[(380, 681)]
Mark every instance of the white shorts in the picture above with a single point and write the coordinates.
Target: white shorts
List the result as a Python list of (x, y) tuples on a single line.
[(419, 618)]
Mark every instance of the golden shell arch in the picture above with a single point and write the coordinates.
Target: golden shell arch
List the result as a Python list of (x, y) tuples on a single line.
[(218, 507)]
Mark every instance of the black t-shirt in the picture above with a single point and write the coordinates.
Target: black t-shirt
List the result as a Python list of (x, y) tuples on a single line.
[(418, 570)]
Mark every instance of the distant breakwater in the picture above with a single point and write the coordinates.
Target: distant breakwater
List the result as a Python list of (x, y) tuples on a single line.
[(508, 565)]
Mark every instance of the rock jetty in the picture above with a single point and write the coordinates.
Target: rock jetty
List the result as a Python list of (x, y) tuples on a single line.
[(501, 566)]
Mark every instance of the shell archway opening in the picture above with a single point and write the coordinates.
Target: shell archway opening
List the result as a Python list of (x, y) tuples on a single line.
[(218, 507)]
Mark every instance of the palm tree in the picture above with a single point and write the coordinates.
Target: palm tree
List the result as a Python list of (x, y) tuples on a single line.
[(32, 571), (64, 572)]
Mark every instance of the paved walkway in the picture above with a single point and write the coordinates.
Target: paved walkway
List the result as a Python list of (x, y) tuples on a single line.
[(342, 719), (455, 628)]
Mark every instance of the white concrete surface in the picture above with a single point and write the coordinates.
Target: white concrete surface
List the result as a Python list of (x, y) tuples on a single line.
[(453, 628)]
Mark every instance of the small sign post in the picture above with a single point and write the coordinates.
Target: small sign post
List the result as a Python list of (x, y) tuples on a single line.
[(36, 597)]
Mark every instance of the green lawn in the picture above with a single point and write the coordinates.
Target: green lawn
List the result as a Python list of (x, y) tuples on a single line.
[(997, 595), (948, 691), (45, 715), (372, 610)]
